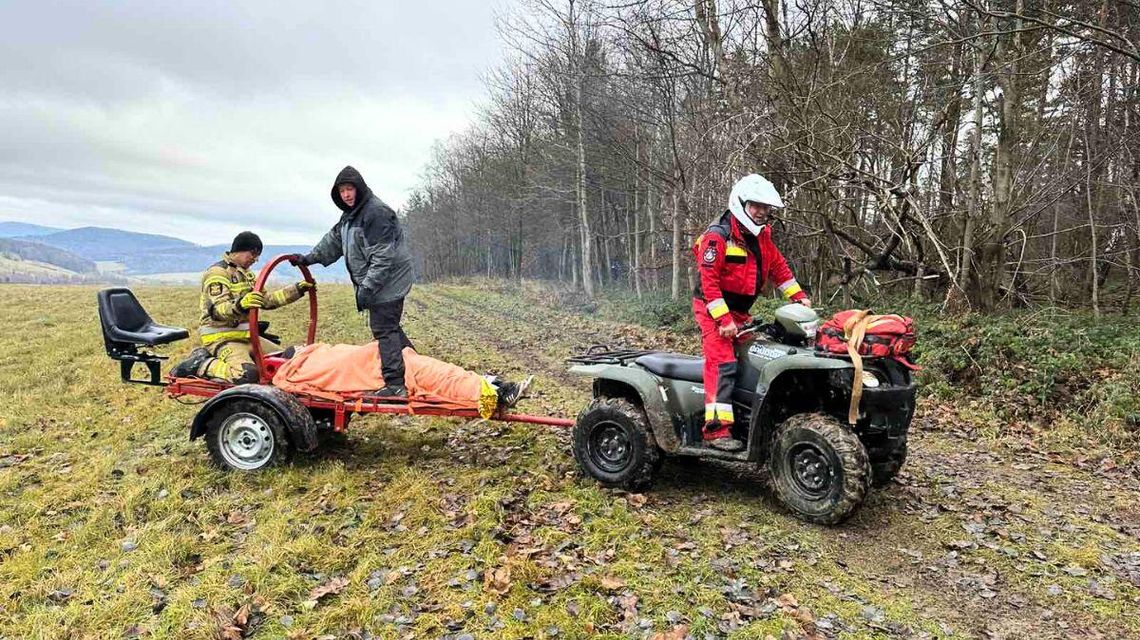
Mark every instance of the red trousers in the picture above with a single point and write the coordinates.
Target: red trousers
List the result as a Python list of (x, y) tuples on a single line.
[(720, 370)]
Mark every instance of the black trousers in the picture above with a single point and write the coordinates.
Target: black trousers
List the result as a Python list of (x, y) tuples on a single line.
[(384, 321)]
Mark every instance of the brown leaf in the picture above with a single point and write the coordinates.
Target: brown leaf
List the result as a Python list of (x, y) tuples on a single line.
[(497, 581), (638, 500), (628, 607), (612, 583), (333, 586), (676, 633), (787, 602), (228, 628)]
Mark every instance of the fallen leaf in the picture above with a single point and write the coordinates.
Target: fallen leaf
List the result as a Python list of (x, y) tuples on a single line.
[(332, 587), (497, 581), (612, 583), (787, 602), (638, 500), (676, 633)]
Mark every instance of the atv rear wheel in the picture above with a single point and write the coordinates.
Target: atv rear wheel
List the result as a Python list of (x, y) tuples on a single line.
[(613, 444), (819, 468), (246, 435), (883, 472)]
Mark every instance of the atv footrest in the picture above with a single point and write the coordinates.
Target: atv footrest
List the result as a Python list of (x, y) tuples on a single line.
[(604, 354)]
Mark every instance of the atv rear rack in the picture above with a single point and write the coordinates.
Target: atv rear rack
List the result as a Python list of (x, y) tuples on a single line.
[(604, 354)]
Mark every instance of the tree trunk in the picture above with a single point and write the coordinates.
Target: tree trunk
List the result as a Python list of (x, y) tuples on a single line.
[(675, 293), (966, 258)]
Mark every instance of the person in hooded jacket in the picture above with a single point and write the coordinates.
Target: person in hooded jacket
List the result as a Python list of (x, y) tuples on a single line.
[(379, 263), (735, 258)]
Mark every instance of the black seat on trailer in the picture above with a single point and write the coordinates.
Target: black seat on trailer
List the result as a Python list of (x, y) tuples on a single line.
[(674, 365), (126, 324)]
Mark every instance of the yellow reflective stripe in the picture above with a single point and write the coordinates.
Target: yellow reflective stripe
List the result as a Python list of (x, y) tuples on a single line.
[(216, 280), (734, 250), (488, 399), (789, 288), (222, 336), (721, 411), (717, 308)]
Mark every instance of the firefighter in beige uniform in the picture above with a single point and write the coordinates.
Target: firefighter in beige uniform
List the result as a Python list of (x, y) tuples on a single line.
[(226, 298)]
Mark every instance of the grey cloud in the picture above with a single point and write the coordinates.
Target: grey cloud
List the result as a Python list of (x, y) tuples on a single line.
[(226, 113)]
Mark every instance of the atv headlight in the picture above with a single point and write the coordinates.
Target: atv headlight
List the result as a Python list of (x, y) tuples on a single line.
[(869, 380)]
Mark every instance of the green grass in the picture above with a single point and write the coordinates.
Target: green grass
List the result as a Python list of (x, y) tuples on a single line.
[(115, 525)]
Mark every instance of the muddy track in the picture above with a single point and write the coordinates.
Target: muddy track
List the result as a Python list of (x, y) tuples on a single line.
[(984, 540)]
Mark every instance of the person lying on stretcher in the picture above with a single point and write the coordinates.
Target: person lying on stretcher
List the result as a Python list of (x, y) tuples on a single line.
[(348, 371)]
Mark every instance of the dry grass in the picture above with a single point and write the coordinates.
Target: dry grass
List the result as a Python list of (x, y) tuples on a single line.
[(114, 525)]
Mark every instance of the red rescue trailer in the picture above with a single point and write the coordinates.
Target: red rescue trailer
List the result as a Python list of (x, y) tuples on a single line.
[(251, 426)]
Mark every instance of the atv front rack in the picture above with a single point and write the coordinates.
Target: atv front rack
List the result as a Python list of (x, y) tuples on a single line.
[(604, 354)]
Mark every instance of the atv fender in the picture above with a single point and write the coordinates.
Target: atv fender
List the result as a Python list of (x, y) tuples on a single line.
[(640, 387), (768, 377), (296, 418)]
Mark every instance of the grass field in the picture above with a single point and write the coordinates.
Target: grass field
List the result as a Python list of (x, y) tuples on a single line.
[(114, 525)]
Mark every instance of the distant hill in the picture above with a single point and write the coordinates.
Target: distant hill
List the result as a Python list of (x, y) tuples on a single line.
[(17, 229), (26, 250), (125, 254), (103, 244)]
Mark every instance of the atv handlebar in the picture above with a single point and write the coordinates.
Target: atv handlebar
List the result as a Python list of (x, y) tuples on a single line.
[(254, 330)]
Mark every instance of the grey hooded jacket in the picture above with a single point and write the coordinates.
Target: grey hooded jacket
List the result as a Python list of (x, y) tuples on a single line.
[(373, 244)]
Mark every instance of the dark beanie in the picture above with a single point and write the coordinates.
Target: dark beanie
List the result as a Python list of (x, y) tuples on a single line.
[(246, 241)]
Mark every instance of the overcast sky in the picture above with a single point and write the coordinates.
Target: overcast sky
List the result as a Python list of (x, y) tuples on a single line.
[(200, 119)]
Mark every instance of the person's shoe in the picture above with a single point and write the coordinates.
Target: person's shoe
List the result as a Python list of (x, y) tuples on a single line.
[(727, 443), (391, 391), (189, 367), (511, 392)]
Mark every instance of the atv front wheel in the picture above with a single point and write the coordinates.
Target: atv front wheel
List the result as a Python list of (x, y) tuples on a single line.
[(613, 444), (819, 468), (246, 435)]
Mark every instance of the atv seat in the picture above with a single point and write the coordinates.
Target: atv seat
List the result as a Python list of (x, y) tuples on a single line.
[(127, 326), (674, 365)]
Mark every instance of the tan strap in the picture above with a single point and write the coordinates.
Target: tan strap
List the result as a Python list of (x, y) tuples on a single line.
[(854, 330)]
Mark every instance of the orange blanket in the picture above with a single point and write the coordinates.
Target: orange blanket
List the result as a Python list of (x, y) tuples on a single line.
[(347, 370)]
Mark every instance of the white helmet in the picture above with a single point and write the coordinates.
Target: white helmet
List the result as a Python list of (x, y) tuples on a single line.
[(752, 188)]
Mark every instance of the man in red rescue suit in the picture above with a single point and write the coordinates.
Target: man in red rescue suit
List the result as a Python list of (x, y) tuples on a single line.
[(735, 259)]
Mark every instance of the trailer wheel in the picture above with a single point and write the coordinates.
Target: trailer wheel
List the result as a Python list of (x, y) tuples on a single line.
[(819, 468), (246, 435), (613, 444)]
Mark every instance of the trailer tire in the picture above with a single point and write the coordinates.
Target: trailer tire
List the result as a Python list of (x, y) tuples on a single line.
[(246, 435)]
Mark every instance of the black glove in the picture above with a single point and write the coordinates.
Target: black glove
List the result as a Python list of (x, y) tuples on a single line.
[(362, 295), (297, 259)]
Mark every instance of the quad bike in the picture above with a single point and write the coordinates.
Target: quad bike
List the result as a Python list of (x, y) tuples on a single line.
[(791, 406)]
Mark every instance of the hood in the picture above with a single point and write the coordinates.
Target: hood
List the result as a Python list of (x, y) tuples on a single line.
[(350, 175)]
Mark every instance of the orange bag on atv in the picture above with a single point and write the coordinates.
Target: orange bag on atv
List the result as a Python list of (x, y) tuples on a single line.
[(889, 336)]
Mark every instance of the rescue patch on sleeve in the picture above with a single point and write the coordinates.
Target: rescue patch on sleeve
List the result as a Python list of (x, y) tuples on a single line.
[(710, 253), (215, 289)]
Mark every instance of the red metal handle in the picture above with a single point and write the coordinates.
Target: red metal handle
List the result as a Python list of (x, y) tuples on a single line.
[(255, 332)]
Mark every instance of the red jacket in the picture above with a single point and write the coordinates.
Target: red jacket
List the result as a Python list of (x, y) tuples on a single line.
[(734, 266)]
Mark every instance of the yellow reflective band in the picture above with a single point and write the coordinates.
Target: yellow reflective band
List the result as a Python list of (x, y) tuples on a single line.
[(792, 290), (734, 250), (719, 411), (216, 280), (222, 336), (717, 308), (488, 398)]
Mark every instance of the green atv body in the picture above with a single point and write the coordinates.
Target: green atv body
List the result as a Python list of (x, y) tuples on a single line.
[(791, 407)]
